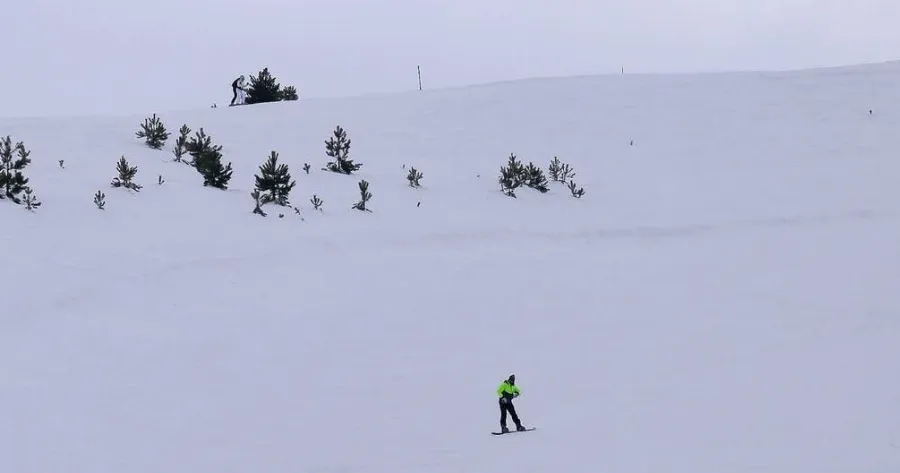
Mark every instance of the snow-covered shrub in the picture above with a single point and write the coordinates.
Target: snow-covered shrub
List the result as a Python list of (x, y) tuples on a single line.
[(413, 177)]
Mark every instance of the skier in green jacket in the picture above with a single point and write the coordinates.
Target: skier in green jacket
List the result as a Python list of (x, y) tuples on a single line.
[(507, 392)]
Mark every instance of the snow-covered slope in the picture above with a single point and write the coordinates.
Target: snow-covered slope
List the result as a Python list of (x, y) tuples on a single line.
[(722, 299)]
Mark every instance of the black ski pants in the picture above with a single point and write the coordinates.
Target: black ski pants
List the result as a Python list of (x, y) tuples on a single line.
[(508, 407)]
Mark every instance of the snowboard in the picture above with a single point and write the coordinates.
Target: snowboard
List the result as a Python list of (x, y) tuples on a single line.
[(513, 431)]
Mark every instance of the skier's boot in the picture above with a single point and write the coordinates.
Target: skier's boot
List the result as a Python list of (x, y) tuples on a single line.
[(520, 427), (504, 429)]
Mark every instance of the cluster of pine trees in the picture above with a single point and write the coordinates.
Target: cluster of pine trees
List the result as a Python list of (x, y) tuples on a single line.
[(197, 151), (515, 175), (273, 183), (202, 154)]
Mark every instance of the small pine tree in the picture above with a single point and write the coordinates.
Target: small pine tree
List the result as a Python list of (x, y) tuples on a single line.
[(274, 181), (100, 200), (338, 148), (511, 176), (560, 172), (30, 200), (554, 169), (207, 159), (289, 93), (535, 179), (566, 172), (126, 176), (181, 144), (317, 202), (209, 164), (507, 181), (577, 193), (413, 177), (12, 181), (200, 143), (365, 196), (263, 88), (256, 198), (154, 131)]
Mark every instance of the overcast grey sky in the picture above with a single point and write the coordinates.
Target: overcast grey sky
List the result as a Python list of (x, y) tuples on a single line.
[(130, 56)]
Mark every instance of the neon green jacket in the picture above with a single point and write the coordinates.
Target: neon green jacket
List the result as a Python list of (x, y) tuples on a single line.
[(507, 390)]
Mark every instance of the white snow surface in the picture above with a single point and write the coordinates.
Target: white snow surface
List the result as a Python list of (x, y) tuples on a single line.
[(723, 299)]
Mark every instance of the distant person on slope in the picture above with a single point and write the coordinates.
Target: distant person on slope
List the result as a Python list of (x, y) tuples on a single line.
[(507, 392), (238, 84)]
